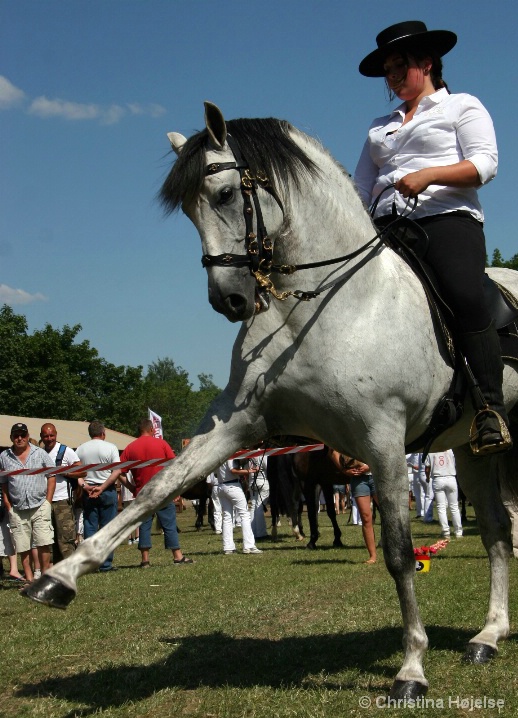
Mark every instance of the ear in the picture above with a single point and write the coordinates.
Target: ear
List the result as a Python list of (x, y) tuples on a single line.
[(177, 141), (215, 123)]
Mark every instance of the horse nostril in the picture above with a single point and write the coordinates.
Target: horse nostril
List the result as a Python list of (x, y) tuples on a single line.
[(236, 303)]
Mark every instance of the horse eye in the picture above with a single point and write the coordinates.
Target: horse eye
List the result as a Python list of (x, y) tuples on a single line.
[(225, 195)]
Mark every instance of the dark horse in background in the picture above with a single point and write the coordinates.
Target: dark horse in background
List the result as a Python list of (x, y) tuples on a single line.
[(294, 477), (201, 492)]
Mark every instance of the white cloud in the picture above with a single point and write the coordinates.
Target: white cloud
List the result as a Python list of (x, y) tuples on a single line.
[(111, 115), (153, 109), (14, 297), (10, 96), (43, 107)]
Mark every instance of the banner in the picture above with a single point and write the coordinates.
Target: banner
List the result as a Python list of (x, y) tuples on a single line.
[(157, 424)]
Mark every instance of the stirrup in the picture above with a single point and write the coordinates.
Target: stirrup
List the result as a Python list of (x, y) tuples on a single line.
[(500, 439)]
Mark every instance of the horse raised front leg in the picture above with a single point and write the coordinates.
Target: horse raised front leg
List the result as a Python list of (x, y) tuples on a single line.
[(392, 490), (479, 479), (58, 586)]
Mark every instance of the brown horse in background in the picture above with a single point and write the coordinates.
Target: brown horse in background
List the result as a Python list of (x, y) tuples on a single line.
[(295, 477)]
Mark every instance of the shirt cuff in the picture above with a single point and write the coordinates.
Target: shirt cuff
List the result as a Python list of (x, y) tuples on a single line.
[(486, 167)]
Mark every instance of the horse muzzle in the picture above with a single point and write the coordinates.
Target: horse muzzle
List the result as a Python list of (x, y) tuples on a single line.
[(236, 300)]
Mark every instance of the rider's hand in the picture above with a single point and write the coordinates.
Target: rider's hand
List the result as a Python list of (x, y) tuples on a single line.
[(414, 183)]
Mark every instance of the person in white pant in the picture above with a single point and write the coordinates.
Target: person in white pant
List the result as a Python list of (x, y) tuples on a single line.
[(216, 504), (440, 467), (259, 495), (422, 488), (233, 501), (355, 514)]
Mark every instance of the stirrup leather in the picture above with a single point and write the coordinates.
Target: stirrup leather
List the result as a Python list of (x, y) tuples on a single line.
[(475, 435)]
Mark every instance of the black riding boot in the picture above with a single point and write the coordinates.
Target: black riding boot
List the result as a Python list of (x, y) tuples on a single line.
[(489, 431)]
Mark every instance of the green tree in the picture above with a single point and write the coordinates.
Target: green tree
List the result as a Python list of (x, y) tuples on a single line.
[(169, 392), (50, 374), (499, 261), (13, 358), (121, 403)]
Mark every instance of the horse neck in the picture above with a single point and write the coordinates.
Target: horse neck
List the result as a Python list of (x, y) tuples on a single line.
[(326, 215)]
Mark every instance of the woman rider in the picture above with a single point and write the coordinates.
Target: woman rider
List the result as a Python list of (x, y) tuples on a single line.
[(439, 148)]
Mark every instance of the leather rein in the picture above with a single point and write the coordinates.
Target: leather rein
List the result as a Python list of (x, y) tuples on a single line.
[(259, 246)]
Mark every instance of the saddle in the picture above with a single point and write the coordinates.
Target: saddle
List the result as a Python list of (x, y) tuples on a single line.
[(410, 240)]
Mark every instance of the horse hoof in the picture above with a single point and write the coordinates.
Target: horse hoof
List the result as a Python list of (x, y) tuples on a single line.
[(311, 546), (338, 544), (408, 690), (478, 653), (49, 591)]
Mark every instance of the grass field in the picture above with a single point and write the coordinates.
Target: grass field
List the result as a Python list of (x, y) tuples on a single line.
[(290, 633)]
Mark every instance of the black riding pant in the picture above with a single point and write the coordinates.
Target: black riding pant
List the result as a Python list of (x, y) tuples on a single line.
[(457, 253)]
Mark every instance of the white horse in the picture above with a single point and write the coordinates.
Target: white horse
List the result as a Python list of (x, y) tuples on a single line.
[(340, 368)]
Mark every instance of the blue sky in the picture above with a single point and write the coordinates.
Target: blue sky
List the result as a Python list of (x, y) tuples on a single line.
[(88, 90)]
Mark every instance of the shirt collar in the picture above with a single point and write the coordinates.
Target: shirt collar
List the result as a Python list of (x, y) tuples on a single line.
[(32, 449), (435, 98)]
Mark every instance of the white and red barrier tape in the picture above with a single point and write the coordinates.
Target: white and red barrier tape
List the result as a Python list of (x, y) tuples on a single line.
[(128, 465)]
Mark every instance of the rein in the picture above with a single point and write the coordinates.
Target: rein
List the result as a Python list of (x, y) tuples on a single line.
[(259, 246)]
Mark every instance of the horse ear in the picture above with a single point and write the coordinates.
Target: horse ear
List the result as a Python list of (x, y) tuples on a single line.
[(215, 123), (177, 141)]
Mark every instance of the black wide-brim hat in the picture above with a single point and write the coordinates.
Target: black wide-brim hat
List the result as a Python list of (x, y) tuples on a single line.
[(412, 34)]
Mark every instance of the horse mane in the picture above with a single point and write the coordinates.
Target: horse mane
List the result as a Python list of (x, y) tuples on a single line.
[(267, 146)]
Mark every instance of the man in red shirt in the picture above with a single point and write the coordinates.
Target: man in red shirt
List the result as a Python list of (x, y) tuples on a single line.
[(144, 448)]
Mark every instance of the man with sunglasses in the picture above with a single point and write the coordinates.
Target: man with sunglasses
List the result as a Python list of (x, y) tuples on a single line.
[(27, 498)]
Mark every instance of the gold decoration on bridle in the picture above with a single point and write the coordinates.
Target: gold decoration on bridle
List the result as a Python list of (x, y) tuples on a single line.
[(264, 281)]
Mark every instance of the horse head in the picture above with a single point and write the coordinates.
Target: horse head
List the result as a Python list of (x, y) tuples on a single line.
[(224, 193)]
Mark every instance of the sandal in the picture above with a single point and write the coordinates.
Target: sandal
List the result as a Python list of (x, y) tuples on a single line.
[(184, 559), (145, 564)]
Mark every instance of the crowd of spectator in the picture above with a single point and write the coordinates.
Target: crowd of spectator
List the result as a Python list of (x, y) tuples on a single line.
[(44, 517)]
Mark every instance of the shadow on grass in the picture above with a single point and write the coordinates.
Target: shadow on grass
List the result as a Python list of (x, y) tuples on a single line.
[(215, 660)]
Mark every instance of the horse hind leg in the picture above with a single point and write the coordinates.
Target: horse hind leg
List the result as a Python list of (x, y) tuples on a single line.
[(479, 478), (331, 512), (312, 494)]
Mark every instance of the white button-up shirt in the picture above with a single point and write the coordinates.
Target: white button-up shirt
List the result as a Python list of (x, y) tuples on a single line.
[(445, 129)]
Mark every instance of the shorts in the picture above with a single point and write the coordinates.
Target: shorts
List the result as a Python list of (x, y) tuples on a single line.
[(32, 527), (362, 486), (339, 489)]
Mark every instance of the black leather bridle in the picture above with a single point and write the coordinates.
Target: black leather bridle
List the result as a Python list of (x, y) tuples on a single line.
[(258, 245)]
